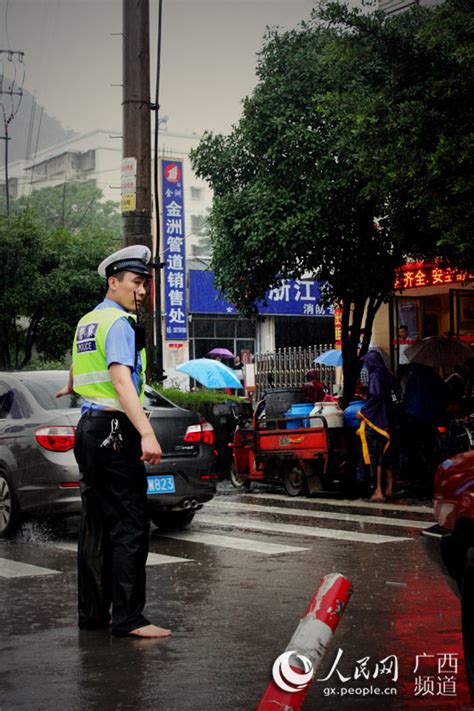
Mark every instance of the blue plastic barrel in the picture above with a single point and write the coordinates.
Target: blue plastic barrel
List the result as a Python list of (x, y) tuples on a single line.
[(298, 410), (350, 413)]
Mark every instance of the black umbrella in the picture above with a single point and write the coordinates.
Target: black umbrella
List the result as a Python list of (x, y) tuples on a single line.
[(439, 352)]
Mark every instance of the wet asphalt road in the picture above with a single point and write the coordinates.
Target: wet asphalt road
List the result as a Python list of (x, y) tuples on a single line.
[(233, 589)]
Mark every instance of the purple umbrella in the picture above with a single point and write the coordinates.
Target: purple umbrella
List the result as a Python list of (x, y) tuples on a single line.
[(222, 352)]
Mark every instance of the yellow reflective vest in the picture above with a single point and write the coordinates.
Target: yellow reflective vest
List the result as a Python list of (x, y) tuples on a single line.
[(91, 376)]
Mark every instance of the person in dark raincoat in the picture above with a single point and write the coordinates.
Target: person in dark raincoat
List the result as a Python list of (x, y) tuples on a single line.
[(379, 430), (425, 406)]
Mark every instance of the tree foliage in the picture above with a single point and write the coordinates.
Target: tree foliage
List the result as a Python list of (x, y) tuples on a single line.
[(339, 164), (49, 280), (413, 131), (73, 206)]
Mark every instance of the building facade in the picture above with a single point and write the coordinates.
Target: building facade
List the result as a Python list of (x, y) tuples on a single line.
[(392, 6), (430, 300)]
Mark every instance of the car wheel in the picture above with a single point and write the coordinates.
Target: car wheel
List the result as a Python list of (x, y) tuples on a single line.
[(236, 479), (172, 520), (467, 617), (9, 512), (294, 481)]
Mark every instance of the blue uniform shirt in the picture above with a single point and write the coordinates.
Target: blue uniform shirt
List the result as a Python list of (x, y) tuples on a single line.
[(119, 348)]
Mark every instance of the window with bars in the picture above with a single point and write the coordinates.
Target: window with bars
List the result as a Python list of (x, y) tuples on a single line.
[(235, 334)]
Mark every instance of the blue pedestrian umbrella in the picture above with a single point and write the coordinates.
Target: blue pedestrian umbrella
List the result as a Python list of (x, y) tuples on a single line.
[(332, 357), (210, 373)]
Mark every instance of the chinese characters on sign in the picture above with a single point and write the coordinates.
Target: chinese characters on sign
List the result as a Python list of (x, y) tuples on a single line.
[(129, 184), (292, 298), (301, 296), (174, 250), (417, 274), (338, 326)]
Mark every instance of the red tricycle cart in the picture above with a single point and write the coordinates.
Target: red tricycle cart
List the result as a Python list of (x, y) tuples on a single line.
[(305, 459)]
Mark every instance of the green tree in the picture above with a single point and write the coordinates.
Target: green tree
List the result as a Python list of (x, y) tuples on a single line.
[(298, 185), (74, 206), (49, 280), (414, 121)]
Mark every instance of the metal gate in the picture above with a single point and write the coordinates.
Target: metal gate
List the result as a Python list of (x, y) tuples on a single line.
[(286, 368)]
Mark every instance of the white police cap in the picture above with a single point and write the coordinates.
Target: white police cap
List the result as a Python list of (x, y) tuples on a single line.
[(129, 259)]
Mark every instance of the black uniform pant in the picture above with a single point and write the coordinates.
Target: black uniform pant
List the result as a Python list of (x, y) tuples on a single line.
[(113, 538)]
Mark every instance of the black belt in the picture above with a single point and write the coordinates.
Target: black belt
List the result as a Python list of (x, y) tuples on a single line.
[(104, 413)]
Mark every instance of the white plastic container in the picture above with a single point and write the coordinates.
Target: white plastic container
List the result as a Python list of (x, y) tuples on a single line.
[(331, 411)]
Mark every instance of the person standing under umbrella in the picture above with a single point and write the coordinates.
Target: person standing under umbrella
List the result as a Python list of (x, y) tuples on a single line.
[(379, 430), (238, 368)]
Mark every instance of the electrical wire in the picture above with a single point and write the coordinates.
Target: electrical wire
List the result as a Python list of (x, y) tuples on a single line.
[(36, 148), (28, 143), (6, 24), (43, 43), (157, 280), (12, 86), (157, 107), (21, 85)]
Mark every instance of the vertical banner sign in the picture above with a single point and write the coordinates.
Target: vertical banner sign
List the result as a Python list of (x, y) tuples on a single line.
[(337, 327), (176, 322)]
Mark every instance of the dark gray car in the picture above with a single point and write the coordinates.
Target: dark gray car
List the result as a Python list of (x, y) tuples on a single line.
[(38, 472)]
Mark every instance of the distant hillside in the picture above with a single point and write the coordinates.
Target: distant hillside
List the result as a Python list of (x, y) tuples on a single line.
[(51, 130)]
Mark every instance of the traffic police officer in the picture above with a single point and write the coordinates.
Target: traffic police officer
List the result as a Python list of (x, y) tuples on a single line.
[(114, 438)]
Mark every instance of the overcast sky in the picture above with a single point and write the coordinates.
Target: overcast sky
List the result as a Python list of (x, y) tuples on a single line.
[(208, 56)]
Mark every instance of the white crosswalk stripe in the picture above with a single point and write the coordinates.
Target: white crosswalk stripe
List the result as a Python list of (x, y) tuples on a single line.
[(243, 544), (222, 504), (359, 504), (153, 558), (14, 569), (295, 530), (224, 513)]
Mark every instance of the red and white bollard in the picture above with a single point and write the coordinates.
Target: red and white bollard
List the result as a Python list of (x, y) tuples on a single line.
[(294, 670)]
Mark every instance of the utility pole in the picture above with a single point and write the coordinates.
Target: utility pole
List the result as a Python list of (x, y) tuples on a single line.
[(136, 212), (13, 56), (6, 138), (136, 117)]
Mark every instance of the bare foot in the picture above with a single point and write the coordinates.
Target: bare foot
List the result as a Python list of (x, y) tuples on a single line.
[(150, 632), (377, 496)]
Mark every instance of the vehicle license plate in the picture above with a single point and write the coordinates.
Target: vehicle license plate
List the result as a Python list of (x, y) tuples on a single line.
[(161, 484)]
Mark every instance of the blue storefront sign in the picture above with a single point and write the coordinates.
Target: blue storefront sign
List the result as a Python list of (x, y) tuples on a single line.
[(176, 321), (292, 298)]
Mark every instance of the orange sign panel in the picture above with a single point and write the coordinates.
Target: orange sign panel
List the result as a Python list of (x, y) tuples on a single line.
[(418, 274)]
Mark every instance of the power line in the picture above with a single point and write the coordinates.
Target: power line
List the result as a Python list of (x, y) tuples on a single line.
[(6, 24), (76, 226), (28, 143), (159, 373), (36, 148), (14, 90)]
